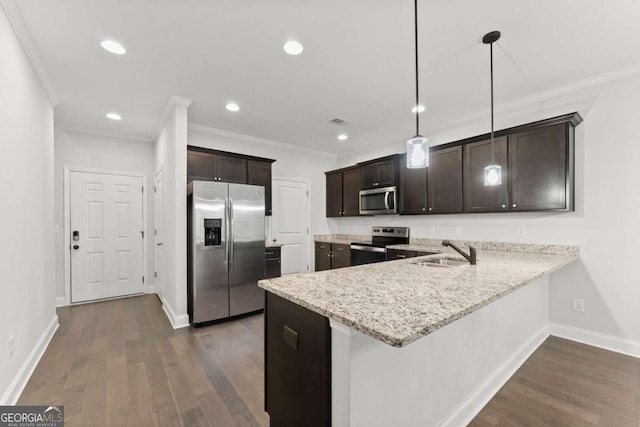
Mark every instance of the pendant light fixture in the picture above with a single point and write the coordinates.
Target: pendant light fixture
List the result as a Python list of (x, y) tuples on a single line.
[(493, 172), (418, 146)]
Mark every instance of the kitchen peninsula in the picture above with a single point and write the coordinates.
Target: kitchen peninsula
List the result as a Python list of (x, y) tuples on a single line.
[(411, 343)]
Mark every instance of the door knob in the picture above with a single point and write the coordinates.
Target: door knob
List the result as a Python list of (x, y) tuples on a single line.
[(76, 247)]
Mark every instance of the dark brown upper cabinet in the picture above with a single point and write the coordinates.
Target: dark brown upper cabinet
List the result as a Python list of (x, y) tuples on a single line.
[(204, 164), (259, 173), (342, 192), (412, 197), (477, 197), (378, 174), (540, 171), (445, 181), (213, 167)]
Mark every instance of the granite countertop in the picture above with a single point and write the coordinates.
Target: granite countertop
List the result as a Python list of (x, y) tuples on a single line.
[(342, 239), (268, 244), (398, 302)]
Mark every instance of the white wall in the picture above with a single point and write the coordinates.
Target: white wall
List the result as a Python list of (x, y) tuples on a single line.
[(27, 306), (84, 150), (605, 224), (171, 158), (291, 162)]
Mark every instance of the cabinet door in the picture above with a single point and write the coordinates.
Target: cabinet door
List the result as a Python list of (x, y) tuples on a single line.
[(399, 254), (412, 189), (351, 192), (538, 166), (445, 180), (334, 194), (341, 256), (273, 268), (369, 175), (231, 169), (323, 256), (477, 197), (387, 173), (199, 167), (259, 173)]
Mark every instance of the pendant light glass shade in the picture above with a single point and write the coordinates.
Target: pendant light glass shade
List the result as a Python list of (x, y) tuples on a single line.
[(417, 152), (493, 175)]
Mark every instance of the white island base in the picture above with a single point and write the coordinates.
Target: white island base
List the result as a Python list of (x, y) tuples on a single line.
[(442, 379)]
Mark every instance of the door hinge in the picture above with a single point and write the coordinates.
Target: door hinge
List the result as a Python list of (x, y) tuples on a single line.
[(155, 232), (307, 231), (143, 279), (142, 190), (307, 192), (155, 274), (155, 189), (142, 232), (307, 267)]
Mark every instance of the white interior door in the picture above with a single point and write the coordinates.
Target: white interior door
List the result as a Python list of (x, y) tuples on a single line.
[(290, 224), (158, 188), (107, 256)]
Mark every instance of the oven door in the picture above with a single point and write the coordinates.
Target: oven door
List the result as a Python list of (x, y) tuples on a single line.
[(378, 201), (367, 254)]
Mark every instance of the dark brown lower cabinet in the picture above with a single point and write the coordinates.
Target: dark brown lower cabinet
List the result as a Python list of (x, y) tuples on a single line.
[(297, 365), (273, 262), (332, 255), (322, 256)]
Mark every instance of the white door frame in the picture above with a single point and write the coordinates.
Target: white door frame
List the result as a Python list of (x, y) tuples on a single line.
[(309, 239), (67, 222)]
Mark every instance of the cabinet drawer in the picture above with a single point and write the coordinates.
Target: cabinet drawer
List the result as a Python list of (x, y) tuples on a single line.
[(399, 254), (272, 253)]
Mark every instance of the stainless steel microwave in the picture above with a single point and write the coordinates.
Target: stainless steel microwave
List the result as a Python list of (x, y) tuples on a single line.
[(378, 201)]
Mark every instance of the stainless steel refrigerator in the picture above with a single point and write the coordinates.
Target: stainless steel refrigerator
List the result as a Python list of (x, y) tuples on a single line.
[(226, 255)]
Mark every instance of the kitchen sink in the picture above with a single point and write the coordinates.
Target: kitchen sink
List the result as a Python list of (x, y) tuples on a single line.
[(442, 262)]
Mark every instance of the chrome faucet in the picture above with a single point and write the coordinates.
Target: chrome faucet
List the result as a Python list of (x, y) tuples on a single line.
[(472, 252)]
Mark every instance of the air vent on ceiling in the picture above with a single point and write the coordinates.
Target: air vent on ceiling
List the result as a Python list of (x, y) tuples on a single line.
[(339, 122)]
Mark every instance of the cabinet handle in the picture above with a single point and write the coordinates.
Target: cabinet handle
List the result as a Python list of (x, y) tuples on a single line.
[(430, 209), (514, 205), (424, 209), (504, 206), (401, 256)]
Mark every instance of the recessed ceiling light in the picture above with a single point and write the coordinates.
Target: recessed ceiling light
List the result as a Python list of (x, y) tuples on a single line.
[(232, 106), (343, 137), (113, 47), (293, 47), (114, 116), (418, 109)]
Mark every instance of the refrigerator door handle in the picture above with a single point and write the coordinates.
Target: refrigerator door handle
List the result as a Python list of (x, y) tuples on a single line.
[(231, 237), (226, 233)]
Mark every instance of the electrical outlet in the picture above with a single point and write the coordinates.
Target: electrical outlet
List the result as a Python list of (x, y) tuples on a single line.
[(578, 305), (11, 341), (522, 231), (432, 228), (458, 229)]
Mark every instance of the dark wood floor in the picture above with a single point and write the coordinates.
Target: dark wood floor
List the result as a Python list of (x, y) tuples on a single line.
[(119, 363), (565, 383)]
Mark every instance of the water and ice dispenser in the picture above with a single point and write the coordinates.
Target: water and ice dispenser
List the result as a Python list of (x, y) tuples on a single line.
[(212, 231)]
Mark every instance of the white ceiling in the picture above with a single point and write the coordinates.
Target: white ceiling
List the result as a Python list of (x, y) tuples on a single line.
[(357, 63)]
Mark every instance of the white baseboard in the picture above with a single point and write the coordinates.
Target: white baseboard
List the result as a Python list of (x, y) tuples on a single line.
[(16, 387), (151, 289), (60, 302), (596, 339), (177, 322), (473, 404)]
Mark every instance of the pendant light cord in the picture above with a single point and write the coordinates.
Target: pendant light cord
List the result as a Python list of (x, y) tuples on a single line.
[(415, 4), (491, 60)]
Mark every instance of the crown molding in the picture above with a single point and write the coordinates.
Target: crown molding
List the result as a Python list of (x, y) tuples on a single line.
[(15, 19), (257, 140), (74, 127), (173, 102)]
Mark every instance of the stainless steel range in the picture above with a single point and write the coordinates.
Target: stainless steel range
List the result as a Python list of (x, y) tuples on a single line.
[(376, 250)]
